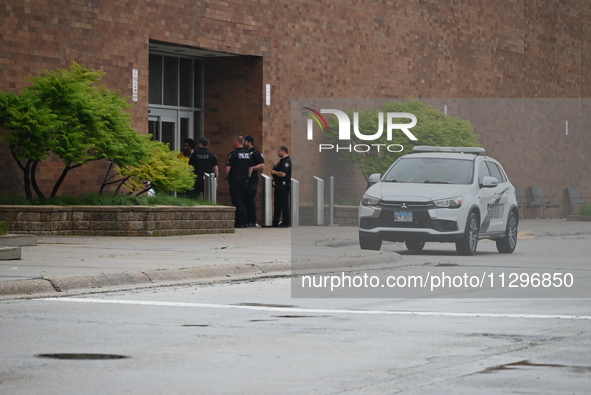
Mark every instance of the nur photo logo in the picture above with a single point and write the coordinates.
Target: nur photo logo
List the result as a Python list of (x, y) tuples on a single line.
[(391, 124)]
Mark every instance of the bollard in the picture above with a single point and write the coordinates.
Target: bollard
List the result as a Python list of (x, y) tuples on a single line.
[(295, 202), (213, 188), (206, 188), (331, 201), (210, 187), (318, 215), (267, 200)]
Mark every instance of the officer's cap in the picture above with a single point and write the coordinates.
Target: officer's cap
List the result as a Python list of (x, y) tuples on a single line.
[(249, 138)]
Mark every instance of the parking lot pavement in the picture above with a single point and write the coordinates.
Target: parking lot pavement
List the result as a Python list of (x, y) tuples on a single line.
[(63, 264)]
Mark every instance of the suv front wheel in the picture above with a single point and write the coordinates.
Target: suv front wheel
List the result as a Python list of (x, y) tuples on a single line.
[(414, 245), (507, 244), (468, 244), (369, 242)]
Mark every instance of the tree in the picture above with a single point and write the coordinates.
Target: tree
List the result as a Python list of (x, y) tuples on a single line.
[(65, 112), (433, 128), (31, 128), (163, 169)]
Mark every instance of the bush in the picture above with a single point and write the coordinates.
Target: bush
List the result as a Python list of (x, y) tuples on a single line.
[(106, 200), (585, 210)]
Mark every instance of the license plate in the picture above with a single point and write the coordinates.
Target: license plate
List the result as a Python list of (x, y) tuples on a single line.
[(402, 216)]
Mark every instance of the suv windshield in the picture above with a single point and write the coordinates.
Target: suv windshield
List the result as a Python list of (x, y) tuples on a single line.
[(431, 170)]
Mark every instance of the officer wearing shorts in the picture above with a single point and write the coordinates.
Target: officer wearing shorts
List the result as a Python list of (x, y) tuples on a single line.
[(237, 173)]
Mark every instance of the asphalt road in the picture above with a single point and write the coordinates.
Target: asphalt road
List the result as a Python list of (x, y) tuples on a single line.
[(255, 337)]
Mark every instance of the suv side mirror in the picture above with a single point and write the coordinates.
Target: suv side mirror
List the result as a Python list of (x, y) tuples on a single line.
[(489, 182), (374, 178)]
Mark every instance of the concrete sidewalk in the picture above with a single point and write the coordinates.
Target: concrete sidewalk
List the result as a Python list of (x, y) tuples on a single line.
[(61, 265)]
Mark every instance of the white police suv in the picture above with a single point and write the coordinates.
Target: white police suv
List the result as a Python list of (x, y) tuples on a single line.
[(440, 194)]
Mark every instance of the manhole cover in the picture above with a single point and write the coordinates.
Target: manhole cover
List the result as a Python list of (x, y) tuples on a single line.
[(82, 356)]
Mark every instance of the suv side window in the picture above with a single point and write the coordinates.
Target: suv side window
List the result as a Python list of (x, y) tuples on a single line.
[(482, 172), (495, 171)]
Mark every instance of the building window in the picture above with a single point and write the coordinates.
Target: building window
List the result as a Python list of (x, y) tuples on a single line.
[(175, 98)]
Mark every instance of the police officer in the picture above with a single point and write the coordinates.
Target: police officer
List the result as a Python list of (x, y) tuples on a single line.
[(257, 164), (237, 173), (282, 179), (203, 161)]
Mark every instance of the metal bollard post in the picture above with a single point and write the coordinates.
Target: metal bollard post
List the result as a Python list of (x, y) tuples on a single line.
[(318, 201), (331, 201), (213, 190), (207, 187), (267, 200), (295, 202)]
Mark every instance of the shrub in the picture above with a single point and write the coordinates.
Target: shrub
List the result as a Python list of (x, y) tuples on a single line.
[(585, 210), (94, 199)]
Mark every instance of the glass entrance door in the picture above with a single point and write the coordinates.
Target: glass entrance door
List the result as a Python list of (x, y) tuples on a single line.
[(185, 125), (170, 126), (175, 97)]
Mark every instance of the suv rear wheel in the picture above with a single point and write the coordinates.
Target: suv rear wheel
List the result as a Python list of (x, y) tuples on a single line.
[(468, 244)]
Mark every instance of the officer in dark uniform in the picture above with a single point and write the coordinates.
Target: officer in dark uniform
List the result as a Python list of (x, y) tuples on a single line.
[(282, 179), (258, 164), (203, 161), (237, 173)]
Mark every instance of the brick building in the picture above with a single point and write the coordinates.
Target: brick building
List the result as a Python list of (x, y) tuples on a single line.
[(223, 68)]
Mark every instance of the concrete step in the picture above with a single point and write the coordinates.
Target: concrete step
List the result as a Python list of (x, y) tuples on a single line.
[(18, 240), (10, 253)]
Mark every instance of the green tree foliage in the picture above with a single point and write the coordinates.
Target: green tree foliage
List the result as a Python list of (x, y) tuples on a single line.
[(433, 128), (163, 169), (32, 128), (65, 112)]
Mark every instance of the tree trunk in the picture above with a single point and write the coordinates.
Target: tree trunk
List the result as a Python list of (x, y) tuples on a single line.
[(26, 173), (34, 180), (121, 183), (61, 179), (143, 191), (105, 183), (27, 181)]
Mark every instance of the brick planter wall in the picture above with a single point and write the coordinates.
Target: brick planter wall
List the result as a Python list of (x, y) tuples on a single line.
[(578, 218), (343, 215), (118, 220)]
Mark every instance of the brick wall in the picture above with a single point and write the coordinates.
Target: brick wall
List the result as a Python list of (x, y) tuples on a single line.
[(118, 220), (329, 48), (342, 216), (231, 108)]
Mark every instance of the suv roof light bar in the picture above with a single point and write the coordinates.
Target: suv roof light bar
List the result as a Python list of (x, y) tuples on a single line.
[(467, 150)]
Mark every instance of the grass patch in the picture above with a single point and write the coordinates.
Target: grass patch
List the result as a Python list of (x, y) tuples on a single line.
[(585, 210), (107, 200), (352, 202), (3, 228)]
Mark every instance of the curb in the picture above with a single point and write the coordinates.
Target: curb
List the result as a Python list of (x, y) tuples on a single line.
[(10, 253), (108, 282), (25, 287), (69, 285), (18, 240), (10, 246), (578, 218)]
